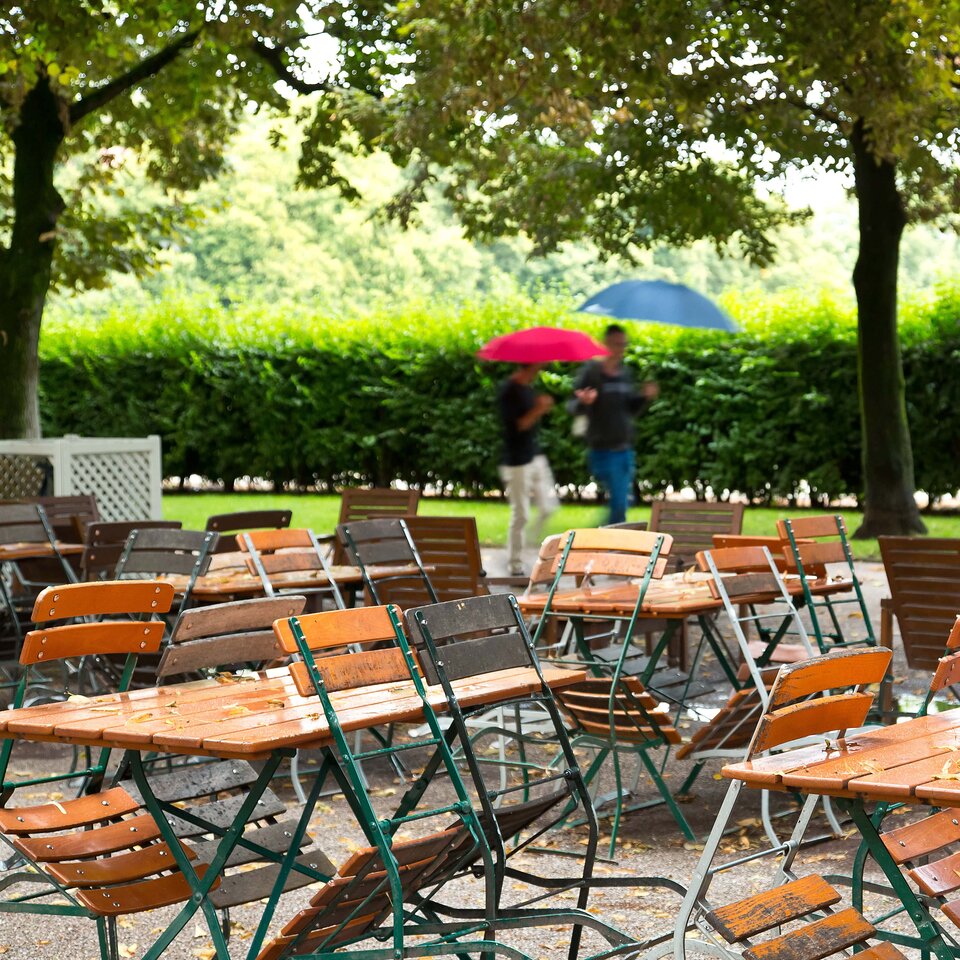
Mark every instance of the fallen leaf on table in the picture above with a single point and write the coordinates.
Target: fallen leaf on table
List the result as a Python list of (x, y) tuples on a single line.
[(275, 703), (872, 766), (945, 773), (237, 710), (77, 698), (104, 709), (176, 724), (226, 678), (140, 717)]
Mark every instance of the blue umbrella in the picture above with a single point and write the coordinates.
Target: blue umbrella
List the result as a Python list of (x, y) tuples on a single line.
[(659, 301)]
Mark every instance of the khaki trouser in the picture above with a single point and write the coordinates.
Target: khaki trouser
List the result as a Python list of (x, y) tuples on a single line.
[(530, 481)]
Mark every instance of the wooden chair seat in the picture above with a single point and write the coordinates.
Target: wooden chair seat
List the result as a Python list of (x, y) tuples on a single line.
[(123, 868), (815, 938), (68, 814)]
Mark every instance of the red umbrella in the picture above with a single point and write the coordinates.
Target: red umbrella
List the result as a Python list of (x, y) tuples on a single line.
[(542, 345)]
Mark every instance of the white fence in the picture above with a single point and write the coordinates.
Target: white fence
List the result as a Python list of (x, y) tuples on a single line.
[(124, 473)]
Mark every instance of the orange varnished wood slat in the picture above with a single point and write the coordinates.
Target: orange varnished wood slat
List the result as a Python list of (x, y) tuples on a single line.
[(91, 639), (123, 868), (336, 628), (144, 895), (923, 836), (847, 668), (816, 940), (70, 814), (824, 525), (351, 670), (772, 908), (939, 878), (80, 844), (102, 597), (808, 718)]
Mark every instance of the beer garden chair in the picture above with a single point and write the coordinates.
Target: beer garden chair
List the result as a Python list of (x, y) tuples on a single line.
[(800, 914)]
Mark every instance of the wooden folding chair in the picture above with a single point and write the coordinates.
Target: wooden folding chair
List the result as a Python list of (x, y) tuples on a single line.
[(104, 542), (157, 552), (27, 525), (373, 543), (390, 890), (923, 574), (811, 546), (693, 525), (801, 913), (70, 516), (279, 556), (375, 503), (96, 854), (228, 525), (450, 547)]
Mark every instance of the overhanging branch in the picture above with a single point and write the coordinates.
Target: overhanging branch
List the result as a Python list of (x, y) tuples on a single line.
[(145, 69), (274, 57)]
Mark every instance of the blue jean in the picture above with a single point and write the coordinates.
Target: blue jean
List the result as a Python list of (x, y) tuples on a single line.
[(613, 470)]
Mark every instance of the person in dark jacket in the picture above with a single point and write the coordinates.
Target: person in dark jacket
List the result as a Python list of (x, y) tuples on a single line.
[(524, 470), (605, 392)]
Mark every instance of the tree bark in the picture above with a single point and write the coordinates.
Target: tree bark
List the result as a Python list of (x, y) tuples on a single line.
[(889, 505), (25, 266)]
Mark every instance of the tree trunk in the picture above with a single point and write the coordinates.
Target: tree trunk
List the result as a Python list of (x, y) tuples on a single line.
[(25, 266), (889, 505)]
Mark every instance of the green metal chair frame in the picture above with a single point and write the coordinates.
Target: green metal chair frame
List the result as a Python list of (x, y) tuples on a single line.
[(814, 542), (468, 638)]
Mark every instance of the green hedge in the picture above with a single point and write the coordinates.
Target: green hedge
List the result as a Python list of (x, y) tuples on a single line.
[(304, 400)]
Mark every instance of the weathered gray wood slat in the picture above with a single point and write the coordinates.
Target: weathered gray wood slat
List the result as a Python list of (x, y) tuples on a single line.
[(23, 533), (222, 813), (461, 617), (164, 538), (240, 615), (18, 513), (467, 658), (364, 530), (384, 551), (274, 836), (161, 561), (192, 780), (256, 884), (219, 651)]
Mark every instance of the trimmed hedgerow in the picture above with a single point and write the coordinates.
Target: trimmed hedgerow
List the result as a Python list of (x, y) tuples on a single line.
[(303, 400)]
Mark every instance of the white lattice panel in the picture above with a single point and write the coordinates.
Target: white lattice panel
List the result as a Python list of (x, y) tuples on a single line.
[(123, 473)]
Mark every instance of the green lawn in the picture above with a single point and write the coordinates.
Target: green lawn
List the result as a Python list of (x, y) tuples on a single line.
[(320, 513)]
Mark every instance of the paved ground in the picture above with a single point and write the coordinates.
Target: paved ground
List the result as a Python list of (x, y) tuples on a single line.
[(651, 846)]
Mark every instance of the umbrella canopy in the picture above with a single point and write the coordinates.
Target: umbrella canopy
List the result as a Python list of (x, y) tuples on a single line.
[(659, 301), (542, 345)]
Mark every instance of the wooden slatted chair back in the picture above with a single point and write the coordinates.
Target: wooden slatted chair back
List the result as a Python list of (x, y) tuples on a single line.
[(803, 701), (371, 543), (104, 598), (818, 541), (605, 552), (104, 541), (923, 574), (749, 567), (692, 525), (158, 551), (542, 571), (230, 524), (69, 516), (24, 523), (227, 633), (336, 629), (450, 547), (274, 555), (774, 544), (377, 503), (470, 637)]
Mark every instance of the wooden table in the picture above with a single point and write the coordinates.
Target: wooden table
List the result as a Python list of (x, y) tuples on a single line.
[(11, 552), (672, 599), (229, 582), (240, 716), (915, 761)]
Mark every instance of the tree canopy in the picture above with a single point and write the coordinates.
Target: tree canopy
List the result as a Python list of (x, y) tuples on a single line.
[(627, 122)]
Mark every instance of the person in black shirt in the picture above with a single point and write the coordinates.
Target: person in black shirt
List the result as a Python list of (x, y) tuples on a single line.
[(524, 470), (605, 392)]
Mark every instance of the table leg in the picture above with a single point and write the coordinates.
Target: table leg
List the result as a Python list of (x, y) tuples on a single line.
[(929, 934), (200, 886)]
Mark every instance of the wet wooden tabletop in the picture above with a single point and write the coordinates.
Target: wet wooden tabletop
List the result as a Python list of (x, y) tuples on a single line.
[(29, 551), (248, 715), (917, 760), (674, 597)]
